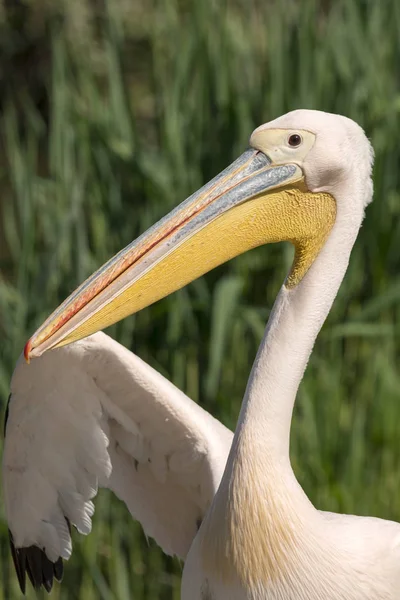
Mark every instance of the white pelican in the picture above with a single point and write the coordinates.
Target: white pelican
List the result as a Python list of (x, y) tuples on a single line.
[(94, 414)]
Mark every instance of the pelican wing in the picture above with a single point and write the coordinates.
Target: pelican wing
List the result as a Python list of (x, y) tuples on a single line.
[(95, 415)]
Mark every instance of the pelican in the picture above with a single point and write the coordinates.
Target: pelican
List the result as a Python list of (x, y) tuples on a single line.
[(92, 414)]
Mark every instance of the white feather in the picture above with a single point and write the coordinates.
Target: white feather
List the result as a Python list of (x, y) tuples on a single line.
[(95, 414)]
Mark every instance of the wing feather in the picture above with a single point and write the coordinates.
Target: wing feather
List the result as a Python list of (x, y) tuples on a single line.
[(95, 415)]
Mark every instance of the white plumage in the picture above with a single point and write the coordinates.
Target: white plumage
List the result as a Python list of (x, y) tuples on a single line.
[(95, 415)]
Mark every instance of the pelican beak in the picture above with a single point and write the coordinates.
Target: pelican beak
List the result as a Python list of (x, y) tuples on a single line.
[(250, 203)]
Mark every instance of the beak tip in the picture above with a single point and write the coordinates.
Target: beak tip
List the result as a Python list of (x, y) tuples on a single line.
[(27, 351)]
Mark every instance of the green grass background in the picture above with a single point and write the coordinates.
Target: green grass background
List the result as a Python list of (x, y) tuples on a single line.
[(112, 112)]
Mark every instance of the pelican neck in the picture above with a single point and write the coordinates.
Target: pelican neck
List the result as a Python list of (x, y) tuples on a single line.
[(295, 321)]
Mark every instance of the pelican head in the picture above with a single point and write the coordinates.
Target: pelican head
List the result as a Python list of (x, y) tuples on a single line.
[(333, 152), (285, 187)]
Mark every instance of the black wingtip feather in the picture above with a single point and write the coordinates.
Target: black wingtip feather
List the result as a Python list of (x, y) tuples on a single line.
[(34, 562), (6, 415), (19, 559), (59, 569)]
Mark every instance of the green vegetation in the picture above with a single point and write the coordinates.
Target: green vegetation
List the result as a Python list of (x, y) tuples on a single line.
[(108, 120)]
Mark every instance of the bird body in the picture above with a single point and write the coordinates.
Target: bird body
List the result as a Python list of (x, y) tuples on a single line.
[(308, 181), (333, 557)]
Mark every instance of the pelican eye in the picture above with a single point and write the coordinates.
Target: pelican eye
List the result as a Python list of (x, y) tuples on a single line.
[(295, 140)]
